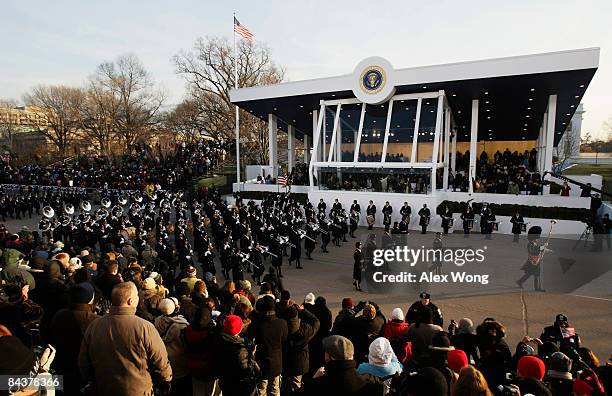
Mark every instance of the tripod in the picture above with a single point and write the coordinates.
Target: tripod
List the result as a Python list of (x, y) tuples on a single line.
[(586, 234)]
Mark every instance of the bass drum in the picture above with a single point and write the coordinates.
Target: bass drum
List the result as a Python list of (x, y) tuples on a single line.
[(370, 219)]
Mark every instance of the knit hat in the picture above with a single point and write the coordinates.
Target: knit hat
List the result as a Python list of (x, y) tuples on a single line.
[(86, 259), (397, 314), (380, 352), (232, 325), (338, 347), (347, 303), (559, 365), (167, 306), (265, 304), (441, 342), (457, 360), (190, 271), (149, 284), (531, 367), (309, 299), (245, 285), (82, 293)]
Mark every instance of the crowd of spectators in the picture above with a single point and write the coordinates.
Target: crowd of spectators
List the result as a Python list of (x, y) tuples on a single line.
[(120, 329), (133, 171)]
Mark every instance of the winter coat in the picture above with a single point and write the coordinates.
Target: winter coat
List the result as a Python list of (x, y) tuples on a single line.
[(236, 365), (296, 355), (170, 329), (271, 334), (341, 378), (342, 322), (396, 333), (420, 336), (67, 329), (363, 332), (120, 352), (200, 352), (106, 282)]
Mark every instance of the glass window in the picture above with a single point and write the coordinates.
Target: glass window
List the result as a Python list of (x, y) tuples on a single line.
[(348, 126), (427, 129), (401, 131), (328, 130), (401, 181), (373, 134)]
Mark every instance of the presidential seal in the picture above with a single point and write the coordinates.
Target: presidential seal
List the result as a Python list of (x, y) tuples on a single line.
[(373, 79)]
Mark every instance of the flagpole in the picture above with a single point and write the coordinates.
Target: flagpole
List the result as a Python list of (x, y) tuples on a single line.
[(237, 112)]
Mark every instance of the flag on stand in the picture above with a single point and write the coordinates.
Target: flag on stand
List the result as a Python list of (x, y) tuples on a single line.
[(242, 30), (281, 181)]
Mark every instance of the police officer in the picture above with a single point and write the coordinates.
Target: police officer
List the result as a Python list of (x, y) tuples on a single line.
[(414, 312)]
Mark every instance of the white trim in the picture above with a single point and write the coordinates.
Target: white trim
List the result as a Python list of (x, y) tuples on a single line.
[(436, 143), (415, 136), (316, 142), (387, 125), (586, 58), (337, 164), (332, 143), (359, 129), (446, 148), (473, 145)]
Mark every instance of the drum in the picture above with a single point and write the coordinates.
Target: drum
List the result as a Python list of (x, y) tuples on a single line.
[(370, 220), (495, 226), (451, 221), (470, 224), (523, 227), (427, 220)]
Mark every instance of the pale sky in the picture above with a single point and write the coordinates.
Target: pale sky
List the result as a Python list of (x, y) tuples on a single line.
[(62, 42)]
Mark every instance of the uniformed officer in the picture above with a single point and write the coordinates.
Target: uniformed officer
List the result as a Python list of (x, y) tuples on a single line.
[(414, 312)]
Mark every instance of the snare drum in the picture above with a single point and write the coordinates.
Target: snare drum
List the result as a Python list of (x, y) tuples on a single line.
[(370, 220), (495, 226), (523, 227)]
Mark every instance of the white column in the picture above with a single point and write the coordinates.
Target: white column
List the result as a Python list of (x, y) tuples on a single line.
[(436, 142), (541, 149), (415, 136), (317, 122), (290, 147), (550, 136), (446, 148), (272, 143), (386, 136), (307, 142), (473, 142), (454, 153)]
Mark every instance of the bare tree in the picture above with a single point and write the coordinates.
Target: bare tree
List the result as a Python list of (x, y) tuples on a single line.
[(99, 114), (138, 100), (184, 121), (60, 105), (209, 71), (8, 128)]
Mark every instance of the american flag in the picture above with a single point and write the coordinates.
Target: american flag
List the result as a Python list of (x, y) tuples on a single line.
[(281, 181), (242, 30)]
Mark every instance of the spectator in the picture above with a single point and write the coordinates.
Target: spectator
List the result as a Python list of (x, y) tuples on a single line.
[(67, 329), (471, 382), (343, 319), (238, 371), (558, 377), (170, 325), (107, 353), (464, 337), (338, 376), (365, 329), (382, 362), (421, 334), (200, 347), (396, 331), (495, 355)]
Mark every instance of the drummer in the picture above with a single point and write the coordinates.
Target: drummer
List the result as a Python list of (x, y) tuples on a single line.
[(371, 214)]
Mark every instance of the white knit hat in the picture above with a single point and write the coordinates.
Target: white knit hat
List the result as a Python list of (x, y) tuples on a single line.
[(380, 352), (309, 299), (397, 314), (167, 306)]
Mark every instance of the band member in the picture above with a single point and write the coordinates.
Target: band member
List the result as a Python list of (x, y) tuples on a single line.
[(310, 241), (517, 222), (325, 232), (337, 206), (258, 266), (436, 266), (356, 207), (387, 210), (358, 263), (322, 206), (354, 220), (535, 247), (371, 213), (296, 248), (425, 215), (406, 211), (468, 220), (487, 218), (446, 216), (237, 266), (403, 225), (277, 258)]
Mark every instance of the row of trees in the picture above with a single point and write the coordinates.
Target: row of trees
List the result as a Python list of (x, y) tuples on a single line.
[(120, 104)]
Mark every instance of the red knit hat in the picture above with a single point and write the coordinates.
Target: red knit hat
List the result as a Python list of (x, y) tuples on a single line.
[(457, 360), (531, 367), (232, 325)]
